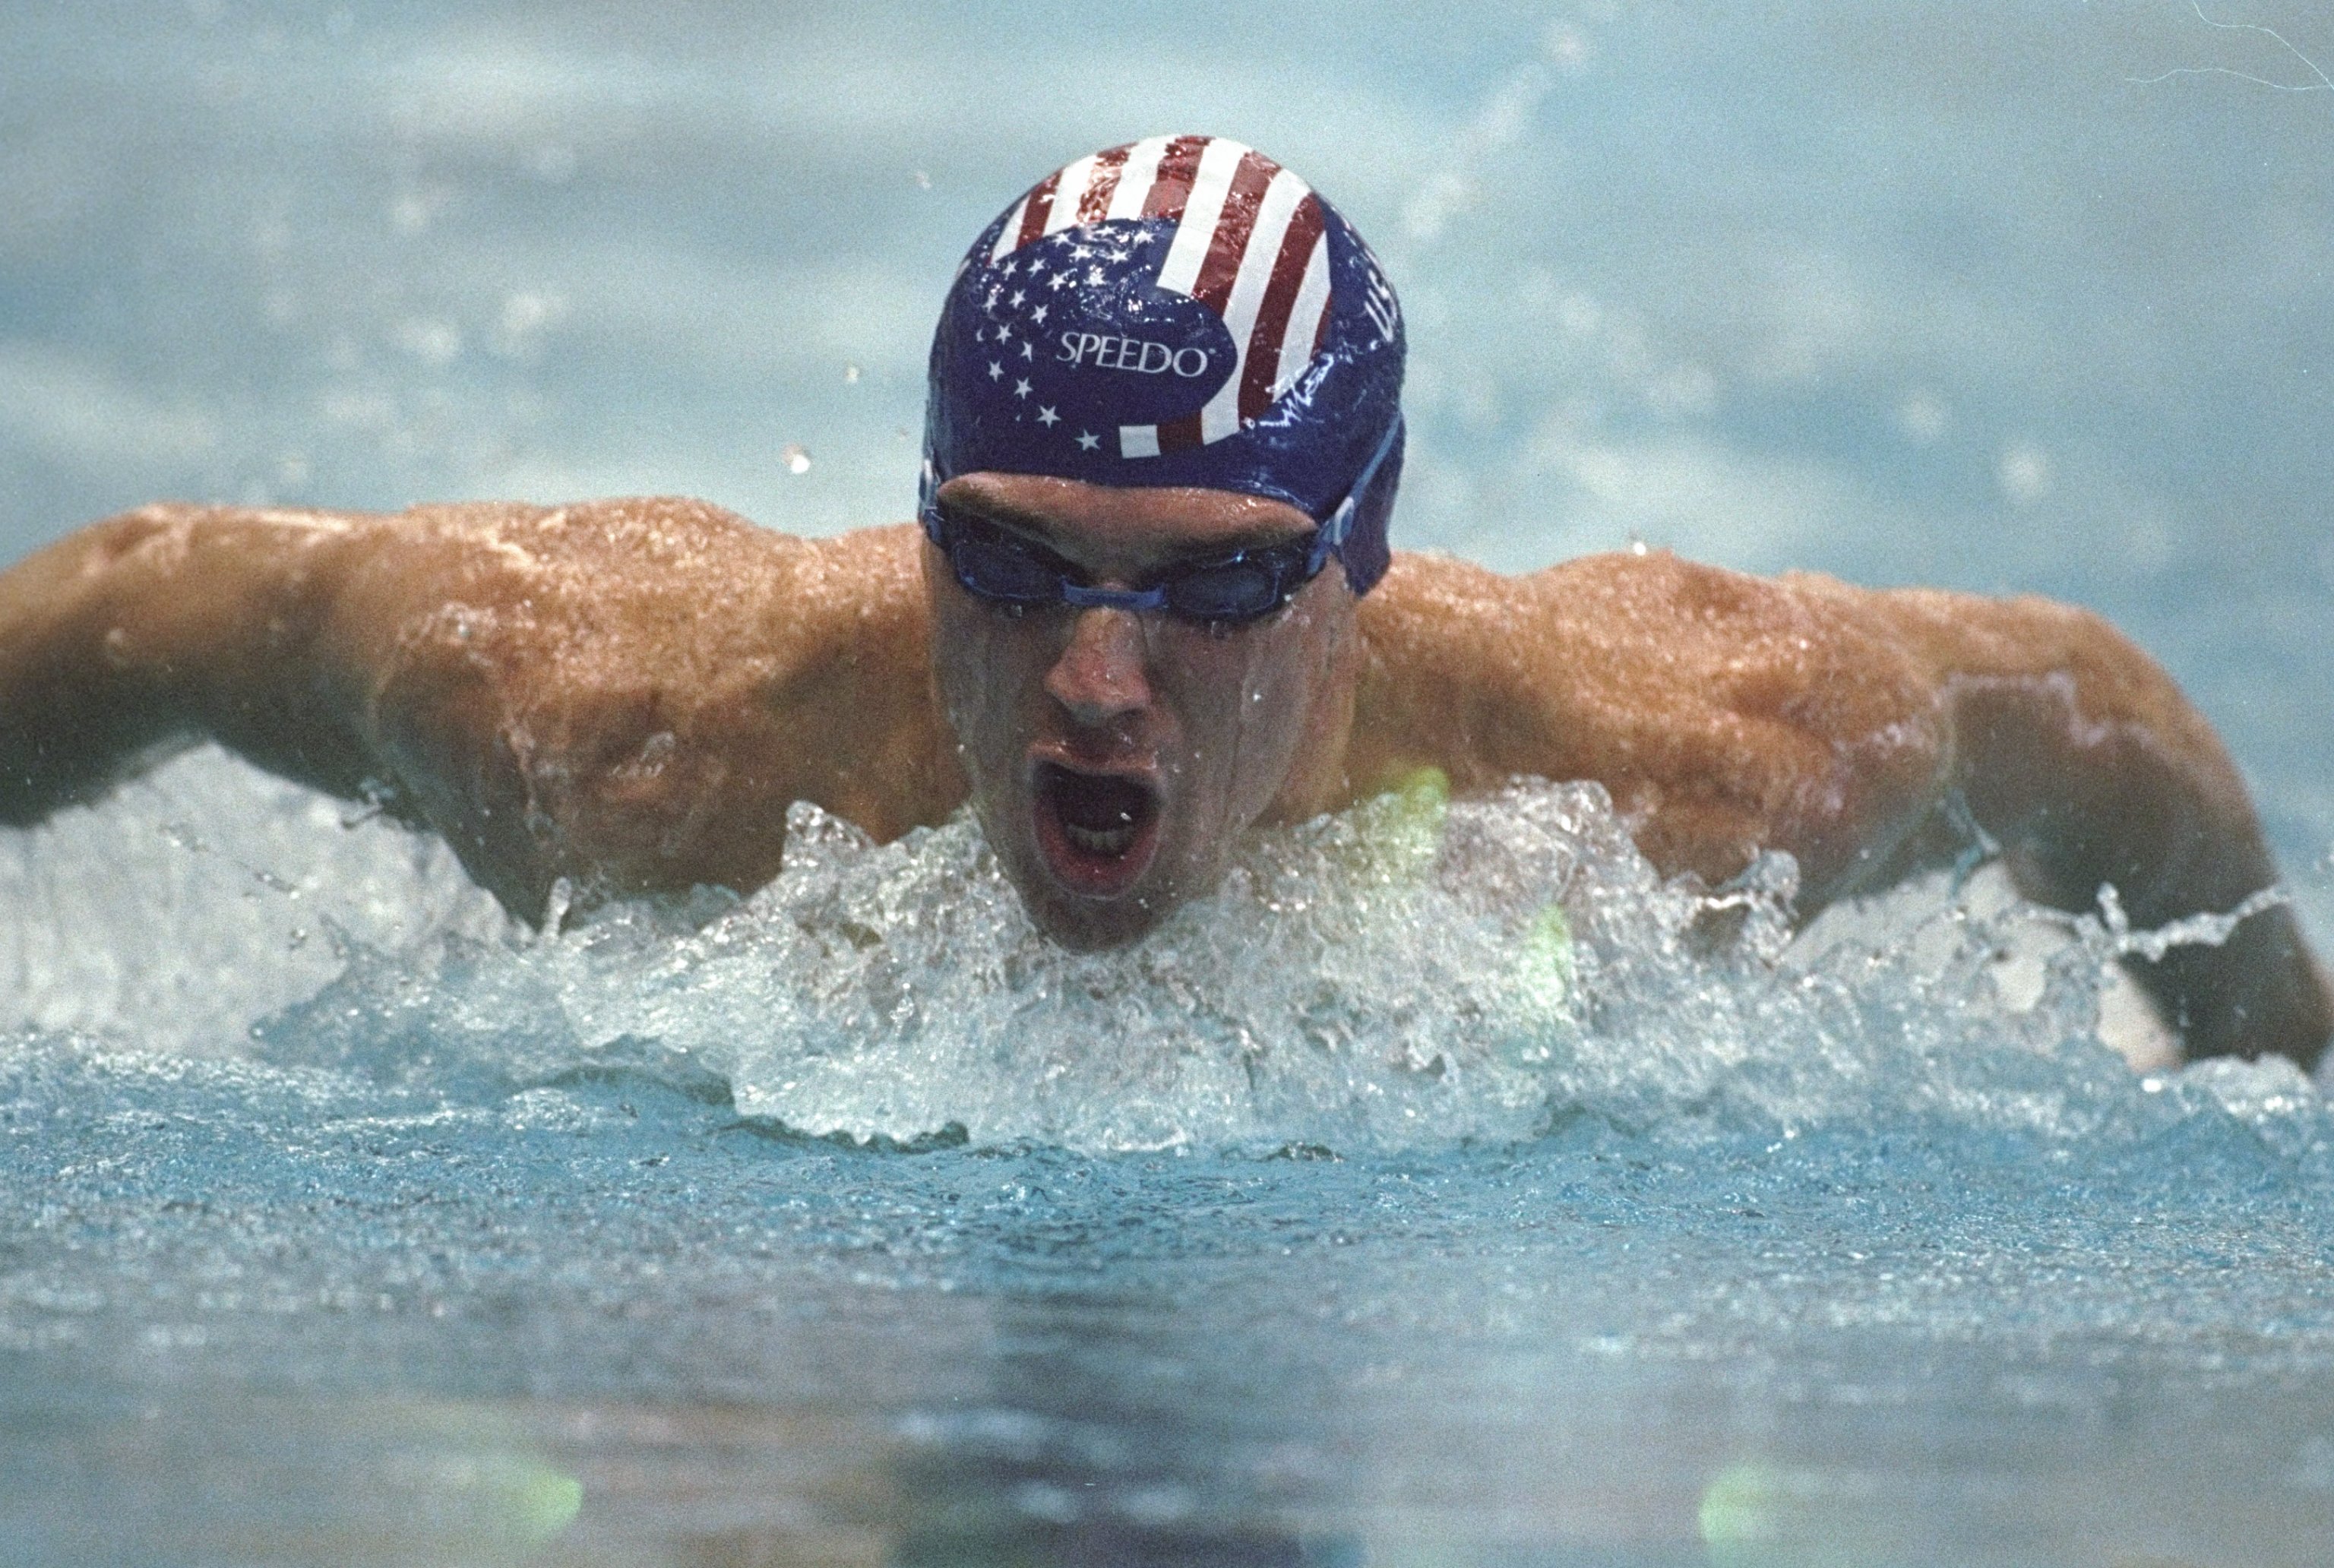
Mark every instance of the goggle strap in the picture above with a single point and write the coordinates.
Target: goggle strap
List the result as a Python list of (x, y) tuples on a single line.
[(1342, 521), (1339, 524), (928, 502)]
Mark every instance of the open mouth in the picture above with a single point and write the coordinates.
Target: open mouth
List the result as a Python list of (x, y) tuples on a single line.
[(1098, 830)]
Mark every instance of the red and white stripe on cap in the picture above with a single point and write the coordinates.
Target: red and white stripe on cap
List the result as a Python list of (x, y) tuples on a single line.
[(1249, 244)]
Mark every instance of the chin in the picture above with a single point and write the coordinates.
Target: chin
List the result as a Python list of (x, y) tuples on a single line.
[(1083, 921), (1088, 927), (1094, 855)]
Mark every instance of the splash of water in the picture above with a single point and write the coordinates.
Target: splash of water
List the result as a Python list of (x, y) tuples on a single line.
[(1414, 972)]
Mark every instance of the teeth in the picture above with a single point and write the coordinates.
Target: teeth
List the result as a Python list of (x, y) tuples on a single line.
[(1105, 841)]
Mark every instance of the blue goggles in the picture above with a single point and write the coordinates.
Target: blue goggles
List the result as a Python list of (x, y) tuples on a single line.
[(1003, 568)]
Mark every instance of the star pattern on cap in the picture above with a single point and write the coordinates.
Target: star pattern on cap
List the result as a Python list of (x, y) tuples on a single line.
[(1128, 370), (1015, 316)]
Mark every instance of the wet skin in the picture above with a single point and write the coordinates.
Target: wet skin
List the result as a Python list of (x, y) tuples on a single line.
[(629, 694), (1116, 757)]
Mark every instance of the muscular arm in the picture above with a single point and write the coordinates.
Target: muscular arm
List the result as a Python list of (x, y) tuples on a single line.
[(143, 633), (628, 694), (1729, 714), (2075, 751)]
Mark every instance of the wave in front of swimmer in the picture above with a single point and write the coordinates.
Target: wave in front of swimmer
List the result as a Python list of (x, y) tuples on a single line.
[(1413, 973)]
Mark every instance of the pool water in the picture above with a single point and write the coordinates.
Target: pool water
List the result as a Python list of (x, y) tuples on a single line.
[(1446, 1190), (1356, 1217)]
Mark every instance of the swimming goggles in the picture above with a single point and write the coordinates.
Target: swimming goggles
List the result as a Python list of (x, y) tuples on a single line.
[(1004, 568)]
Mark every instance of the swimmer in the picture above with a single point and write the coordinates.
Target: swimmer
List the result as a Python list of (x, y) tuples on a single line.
[(1147, 604)]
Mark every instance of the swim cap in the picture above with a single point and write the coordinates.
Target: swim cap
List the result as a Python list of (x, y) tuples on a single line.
[(1177, 310)]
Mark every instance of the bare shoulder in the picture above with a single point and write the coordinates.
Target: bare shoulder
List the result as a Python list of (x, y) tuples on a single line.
[(640, 561), (1727, 711), (644, 684), (685, 580), (671, 602), (1620, 649)]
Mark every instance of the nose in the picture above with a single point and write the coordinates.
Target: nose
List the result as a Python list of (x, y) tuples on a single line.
[(1099, 676)]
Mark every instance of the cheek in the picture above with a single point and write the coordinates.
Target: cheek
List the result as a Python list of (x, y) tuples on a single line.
[(1244, 700), (986, 665)]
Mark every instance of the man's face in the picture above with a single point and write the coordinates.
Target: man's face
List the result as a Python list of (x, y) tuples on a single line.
[(1114, 755)]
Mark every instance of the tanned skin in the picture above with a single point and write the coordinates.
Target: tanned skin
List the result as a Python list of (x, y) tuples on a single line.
[(629, 694)]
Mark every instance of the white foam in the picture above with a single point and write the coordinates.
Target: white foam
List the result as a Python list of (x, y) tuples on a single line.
[(1406, 973), (205, 896)]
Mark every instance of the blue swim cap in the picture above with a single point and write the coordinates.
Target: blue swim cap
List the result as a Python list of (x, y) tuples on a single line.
[(1179, 311)]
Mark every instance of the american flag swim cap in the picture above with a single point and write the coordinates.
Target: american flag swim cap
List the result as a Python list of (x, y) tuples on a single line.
[(1177, 310)]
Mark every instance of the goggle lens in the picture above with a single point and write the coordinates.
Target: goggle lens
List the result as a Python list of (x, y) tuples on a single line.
[(1242, 590), (994, 568)]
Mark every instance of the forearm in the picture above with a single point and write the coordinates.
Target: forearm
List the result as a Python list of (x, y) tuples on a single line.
[(160, 626), (2077, 753)]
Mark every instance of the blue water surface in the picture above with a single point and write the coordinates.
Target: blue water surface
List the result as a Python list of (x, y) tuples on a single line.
[(1365, 1215), (853, 1222)]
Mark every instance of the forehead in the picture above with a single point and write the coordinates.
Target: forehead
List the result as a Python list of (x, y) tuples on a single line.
[(1104, 524)]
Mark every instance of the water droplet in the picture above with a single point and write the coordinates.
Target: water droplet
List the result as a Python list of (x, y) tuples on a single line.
[(2024, 473)]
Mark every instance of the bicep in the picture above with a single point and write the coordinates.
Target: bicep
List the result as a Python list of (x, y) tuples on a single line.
[(2075, 750)]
